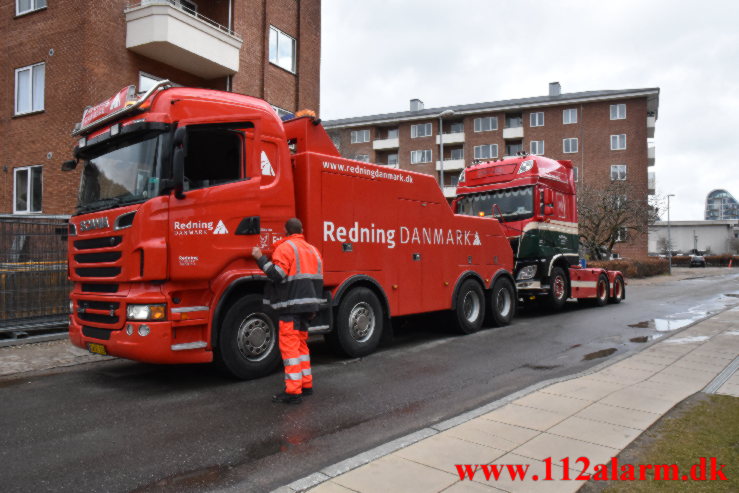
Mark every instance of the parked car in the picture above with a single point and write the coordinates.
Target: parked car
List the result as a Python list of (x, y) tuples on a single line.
[(697, 261)]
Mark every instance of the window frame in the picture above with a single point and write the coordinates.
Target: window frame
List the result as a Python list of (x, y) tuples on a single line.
[(576, 174), (564, 145), (364, 158), (423, 154), (415, 127), (276, 59), (29, 189), (354, 136), (618, 107), (36, 6), (457, 149), (618, 168), (491, 147), (396, 158), (535, 116), (617, 141), (537, 152), (31, 89), (478, 126), (566, 112)]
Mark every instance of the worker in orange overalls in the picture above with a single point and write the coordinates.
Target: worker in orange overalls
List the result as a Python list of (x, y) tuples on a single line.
[(295, 293)]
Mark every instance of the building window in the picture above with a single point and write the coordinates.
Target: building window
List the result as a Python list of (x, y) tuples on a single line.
[(618, 142), (618, 172), (363, 157), (392, 158), (27, 188), (537, 119), (26, 6), (513, 120), (569, 116), (569, 146), (421, 130), (456, 128), (29, 89), (621, 235), (360, 136), (513, 147), (282, 49), (489, 151), (457, 153), (188, 6), (392, 133), (537, 147), (576, 173), (418, 157), (618, 112), (486, 124)]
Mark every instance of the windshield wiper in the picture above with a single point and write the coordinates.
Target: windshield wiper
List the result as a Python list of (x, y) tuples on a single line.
[(99, 205)]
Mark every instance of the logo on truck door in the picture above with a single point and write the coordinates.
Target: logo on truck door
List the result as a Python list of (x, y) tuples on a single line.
[(199, 228)]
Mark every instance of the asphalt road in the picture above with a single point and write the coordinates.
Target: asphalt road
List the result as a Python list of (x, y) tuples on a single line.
[(119, 426)]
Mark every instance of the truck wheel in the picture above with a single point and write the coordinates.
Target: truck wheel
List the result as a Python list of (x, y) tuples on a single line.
[(247, 344), (618, 290), (502, 307), (601, 291), (558, 289), (470, 312), (358, 324)]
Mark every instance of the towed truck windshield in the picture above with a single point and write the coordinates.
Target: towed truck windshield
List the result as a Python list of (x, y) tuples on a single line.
[(121, 173), (515, 204)]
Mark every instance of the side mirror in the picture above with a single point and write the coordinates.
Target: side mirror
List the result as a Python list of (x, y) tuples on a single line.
[(548, 210), (69, 165), (178, 162)]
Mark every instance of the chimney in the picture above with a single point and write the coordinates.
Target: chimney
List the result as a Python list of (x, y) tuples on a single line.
[(416, 105), (555, 89)]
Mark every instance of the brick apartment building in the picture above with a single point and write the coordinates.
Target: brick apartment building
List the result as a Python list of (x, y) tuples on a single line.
[(59, 56), (606, 134)]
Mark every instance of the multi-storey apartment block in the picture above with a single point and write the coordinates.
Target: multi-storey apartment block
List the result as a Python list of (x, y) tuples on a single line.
[(721, 206), (606, 134)]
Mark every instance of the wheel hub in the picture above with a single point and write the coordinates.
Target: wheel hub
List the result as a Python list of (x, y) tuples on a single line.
[(361, 322), (254, 338)]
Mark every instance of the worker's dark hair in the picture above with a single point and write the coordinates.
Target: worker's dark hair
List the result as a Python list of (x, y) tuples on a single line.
[(293, 226)]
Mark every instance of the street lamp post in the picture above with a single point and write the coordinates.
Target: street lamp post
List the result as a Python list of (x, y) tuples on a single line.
[(669, 237), (443, 114)]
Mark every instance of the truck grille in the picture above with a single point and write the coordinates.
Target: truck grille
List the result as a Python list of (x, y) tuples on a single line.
[(99, 288), (93, 258), (98, 271), (99, 312), (106, 242)]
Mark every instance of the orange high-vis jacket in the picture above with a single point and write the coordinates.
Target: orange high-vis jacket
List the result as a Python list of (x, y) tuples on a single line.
[(296, 271)]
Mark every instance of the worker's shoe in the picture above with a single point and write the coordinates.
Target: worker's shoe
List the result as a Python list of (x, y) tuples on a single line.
[(307, 390), (286, 398)]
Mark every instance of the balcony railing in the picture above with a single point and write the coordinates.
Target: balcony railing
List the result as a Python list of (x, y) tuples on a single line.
[(513, 133), (651, 121), (650, 156), (165, 31), (452, 138), (450, 164), (382, 144)]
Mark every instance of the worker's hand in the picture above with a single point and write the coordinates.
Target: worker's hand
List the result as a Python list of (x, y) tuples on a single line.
[(256, 253)]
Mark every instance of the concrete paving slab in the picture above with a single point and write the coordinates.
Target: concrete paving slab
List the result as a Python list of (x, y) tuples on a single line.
[(393, 474), (711, 366), (527, 417), (534, 468), (644, 365), (669, 391), (639, 399), (620, 373), (557, 447), (470, 487), (729, 389), (494, 433), (684, 375), (586, 388), (443, 451), (631, 418), (552, 402), (329, 487), (596, 432)]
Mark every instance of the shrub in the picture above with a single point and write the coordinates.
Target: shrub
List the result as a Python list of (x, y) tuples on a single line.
[(634, 268)]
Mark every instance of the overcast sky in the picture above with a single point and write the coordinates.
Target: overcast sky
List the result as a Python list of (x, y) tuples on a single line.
[(379, 54)]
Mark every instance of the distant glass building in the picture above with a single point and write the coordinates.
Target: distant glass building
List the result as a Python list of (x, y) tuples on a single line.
[(721, 206)]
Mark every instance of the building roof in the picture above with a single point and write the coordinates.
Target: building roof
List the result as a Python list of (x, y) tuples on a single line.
[(651, 93), (697, 223)]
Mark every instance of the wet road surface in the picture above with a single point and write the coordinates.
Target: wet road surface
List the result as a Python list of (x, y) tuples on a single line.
[(127, 426)]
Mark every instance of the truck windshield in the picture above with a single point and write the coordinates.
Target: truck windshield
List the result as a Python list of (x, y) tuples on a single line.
[(124, 173), (515, 204)]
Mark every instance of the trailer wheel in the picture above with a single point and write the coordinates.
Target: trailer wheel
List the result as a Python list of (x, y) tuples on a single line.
[(618, 290), (502, 307), (247, 345), (558, 289), (470, 312), (358, 324), (601, 291)]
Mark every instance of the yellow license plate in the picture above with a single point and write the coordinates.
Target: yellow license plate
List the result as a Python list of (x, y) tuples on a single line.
[(96, 348)]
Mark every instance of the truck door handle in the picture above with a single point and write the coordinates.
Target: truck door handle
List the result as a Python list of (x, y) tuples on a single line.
[(249, 226)]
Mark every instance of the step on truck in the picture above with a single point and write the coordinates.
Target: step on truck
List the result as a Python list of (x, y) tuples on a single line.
[(178, 184), (535, 200)]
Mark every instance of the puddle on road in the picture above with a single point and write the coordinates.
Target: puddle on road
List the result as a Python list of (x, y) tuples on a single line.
[(599, 354), (541, 367), (733, 295), (640, 339), (663, 324)]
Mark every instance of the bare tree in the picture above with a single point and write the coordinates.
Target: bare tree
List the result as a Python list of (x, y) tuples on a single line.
[(610, 214)]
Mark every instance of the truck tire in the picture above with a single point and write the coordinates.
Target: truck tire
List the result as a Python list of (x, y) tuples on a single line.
[(358, 324), (558, 290), (618, 290), (247, 344), (601, 293), (502, 306), (470, 311)]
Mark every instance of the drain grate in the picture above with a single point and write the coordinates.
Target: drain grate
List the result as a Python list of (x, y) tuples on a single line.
[(722, 377)]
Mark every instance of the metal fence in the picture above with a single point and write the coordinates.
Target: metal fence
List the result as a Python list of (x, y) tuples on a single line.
[(34, 289)]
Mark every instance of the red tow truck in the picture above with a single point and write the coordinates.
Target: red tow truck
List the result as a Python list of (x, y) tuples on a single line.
[(178, 184), (535, 200)]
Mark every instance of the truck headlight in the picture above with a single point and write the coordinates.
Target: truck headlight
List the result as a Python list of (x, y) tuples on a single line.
[(526, 273), (146, 312)]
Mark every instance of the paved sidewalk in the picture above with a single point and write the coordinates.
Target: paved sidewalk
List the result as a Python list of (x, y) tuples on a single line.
[(595, 416), (43, 356)]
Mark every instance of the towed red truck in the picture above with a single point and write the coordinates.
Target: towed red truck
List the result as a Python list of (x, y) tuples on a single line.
[(177, 186)]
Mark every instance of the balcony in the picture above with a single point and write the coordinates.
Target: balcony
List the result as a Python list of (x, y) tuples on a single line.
[(513, 133), (650, 156), (651, 121), (651, 182), (385, 144), (451, 165), (163, 31), (455, 138)]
